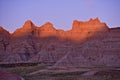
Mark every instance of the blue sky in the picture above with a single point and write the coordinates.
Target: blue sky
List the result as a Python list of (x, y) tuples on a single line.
[(13, 13)]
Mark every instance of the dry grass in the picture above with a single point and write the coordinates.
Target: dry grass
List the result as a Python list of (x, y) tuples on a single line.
[(23, 71), (59, 74)]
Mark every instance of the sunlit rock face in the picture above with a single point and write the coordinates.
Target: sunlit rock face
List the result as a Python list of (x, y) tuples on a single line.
[(21, 44), (92, 25), (47, 30), (100, 50), (82, 30), (89, 43), (28, 29)]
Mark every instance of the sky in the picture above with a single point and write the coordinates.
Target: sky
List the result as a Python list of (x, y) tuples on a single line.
[(61, 13)]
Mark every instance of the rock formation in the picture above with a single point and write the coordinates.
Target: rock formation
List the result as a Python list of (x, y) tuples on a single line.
[(4, 42), (47, 30), (92, 25), (89, 43), (28, 29), (99, 50)]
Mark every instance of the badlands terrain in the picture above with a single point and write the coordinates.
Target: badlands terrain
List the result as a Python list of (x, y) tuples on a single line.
[(88, 51)]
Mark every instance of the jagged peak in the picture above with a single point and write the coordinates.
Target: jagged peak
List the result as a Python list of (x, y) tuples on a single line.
[(47, 26), (28, 24), (4, 31), (97, 19), (91, 24), (75, 21), (94, 20), (48, 23), (1, 28), (90, 20), (75, 24), (26, 29)]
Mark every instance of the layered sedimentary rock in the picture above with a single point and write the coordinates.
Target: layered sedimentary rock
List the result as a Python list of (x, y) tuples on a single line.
[(22, 43), (99, 50), (4, 42), (47, 30), (28, 29), (89, 43), (93, 25)]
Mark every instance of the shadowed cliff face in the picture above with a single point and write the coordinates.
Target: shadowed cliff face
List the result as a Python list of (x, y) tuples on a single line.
[(89, 43), (4, 41)]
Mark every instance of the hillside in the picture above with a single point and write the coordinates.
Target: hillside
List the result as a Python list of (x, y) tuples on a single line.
[(89, 43)]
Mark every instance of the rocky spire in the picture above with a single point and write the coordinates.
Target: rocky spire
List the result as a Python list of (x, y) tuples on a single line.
[(75, 25), (94, 20), (91, 25), (47, 27), (28, 25), (2, 30), (27, 29), (97, 19), (47, 30)]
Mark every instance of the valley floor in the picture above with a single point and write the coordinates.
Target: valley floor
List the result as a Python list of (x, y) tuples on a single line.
[(43, 72)]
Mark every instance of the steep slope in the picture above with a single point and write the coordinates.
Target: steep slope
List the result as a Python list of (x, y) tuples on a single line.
[(89, 43), (99, 50), (92, 25), (28, 29), (4, 42), (47, 30), (21, 46), (83, 30), (57, 48)]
